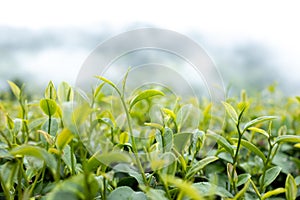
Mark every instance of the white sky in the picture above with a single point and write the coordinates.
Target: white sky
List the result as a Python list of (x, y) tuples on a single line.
[(275, 23)]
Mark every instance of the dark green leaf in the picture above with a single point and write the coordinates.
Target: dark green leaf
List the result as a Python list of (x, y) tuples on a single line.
[(271, 175)]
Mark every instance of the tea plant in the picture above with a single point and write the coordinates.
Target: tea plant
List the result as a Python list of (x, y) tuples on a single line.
[(150, 144)]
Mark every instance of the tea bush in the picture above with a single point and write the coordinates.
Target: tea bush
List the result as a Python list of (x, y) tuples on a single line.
[(148, 145)]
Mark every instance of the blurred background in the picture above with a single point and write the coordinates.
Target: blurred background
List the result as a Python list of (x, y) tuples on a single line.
[(253, 43)]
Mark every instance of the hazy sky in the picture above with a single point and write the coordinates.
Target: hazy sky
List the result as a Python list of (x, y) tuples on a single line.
[(275, 23)]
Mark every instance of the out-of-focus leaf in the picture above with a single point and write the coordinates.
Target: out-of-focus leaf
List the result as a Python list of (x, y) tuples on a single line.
[(185, 187), (125, 192), (208, 189), (15, 89), (76, 187), (288, 138), (181, 140)]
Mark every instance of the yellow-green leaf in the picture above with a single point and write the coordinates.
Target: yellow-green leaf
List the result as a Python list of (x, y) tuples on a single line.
[(15, 89), (144, 95), (48, 106), (64, 138), (258, 121), (290, 188), (124, 137), (50, 92), (259, 130), (185, 187), (272, 193), (231, 112)]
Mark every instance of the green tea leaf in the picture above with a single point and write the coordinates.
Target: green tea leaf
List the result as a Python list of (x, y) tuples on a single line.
[(242, 192), (155, 194), (169, 112), (50, 92), (155, 125), (65, 92), (231, 112), (64, 138), (8, 173), (181, 140), (258, 121), (200, 165), (290, 188), (15, 89), (125, 192), (184, 187), (164, 162), (144, 95), (270, 175), (259, 130), (273, 193), (3, 120), (221, 141), (124, 137), (53, 126), (106, 81), (209, 189), (81, 186), (109, 158), (252, 148), (37, 152), (242, 179), (48, 106), (288, 138), (167, 139)]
